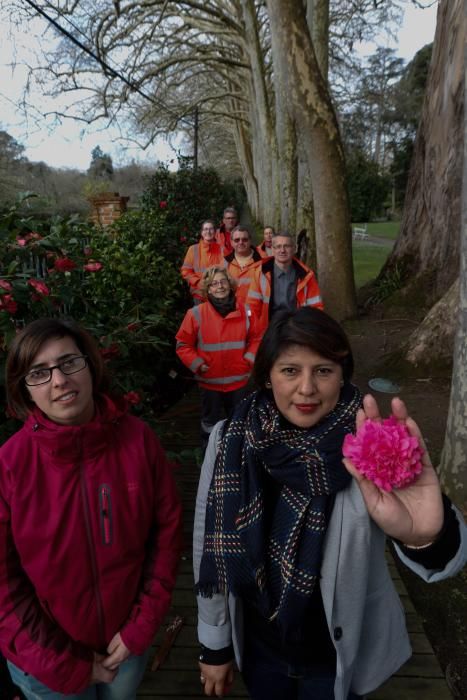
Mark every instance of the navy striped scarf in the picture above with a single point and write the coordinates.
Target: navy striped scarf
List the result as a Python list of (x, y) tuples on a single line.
[(272, 558)]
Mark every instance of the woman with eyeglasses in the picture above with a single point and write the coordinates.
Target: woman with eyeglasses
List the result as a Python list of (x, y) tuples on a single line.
[(217, 341), (89, 524)]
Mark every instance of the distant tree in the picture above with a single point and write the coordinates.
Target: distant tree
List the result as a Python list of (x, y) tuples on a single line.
[(368, 188), (11, 159), (101, 167)]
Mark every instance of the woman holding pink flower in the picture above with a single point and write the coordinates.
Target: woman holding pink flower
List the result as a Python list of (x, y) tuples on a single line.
[(289, 538)]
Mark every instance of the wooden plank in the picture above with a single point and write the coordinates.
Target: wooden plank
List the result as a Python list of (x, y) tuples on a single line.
[(412, 689), (182, 683)]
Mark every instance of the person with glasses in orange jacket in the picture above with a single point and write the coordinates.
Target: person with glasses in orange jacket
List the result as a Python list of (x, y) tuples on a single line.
[(217, 341), (201, 256), (241, 261), (282, 283), (224, 232)]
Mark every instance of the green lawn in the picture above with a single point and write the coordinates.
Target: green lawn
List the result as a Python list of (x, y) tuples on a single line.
[(368, 260), (382, 229)]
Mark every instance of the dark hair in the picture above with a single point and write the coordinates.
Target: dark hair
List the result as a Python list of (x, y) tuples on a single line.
[(306, 326), (28, 343), (240, 229)]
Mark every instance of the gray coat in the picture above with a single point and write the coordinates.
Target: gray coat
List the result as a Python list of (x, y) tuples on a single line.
[(364, 614)]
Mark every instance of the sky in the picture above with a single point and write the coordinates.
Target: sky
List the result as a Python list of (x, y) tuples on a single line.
[(70, 144)]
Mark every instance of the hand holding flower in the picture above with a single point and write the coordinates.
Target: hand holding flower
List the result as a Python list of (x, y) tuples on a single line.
[(412, 513)]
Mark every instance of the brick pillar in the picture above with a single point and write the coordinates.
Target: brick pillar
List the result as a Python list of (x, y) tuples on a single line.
[(107, 207)]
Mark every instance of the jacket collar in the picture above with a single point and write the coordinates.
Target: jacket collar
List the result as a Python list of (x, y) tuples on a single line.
[(300, 268), (67, 443)]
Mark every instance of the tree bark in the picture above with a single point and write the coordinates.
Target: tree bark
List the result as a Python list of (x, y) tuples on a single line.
[(427, 249), (433, 341), (311, 106), (453, 467)]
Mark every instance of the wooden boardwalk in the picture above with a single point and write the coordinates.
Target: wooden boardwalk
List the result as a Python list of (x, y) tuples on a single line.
[(178, 677)]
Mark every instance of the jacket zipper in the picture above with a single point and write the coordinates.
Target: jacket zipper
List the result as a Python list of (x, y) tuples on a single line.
[(105, 514), (92, 555)]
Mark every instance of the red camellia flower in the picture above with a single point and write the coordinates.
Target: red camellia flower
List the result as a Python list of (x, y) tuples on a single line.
[(4, 284), (64, 264), (133, 327), (93, 266), (39, 287), (163, 204), (182, 239), (132, 397), (111, 351), (7, 303)]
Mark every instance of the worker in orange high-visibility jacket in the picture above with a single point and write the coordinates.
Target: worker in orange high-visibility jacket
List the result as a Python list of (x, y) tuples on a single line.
[(218, 341), (265, 247), (241, 261), (223, 233), (282, 283), (200, 257)]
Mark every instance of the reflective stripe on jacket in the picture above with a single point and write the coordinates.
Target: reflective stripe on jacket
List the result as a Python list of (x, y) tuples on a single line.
[(199, 257), (227, 345), (259, 292), (243, 275)]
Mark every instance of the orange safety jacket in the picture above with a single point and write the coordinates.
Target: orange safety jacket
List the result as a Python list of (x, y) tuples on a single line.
[(242, 275), (263, 251), (223, 238), (199, 257), (260, 290), (226, 344)]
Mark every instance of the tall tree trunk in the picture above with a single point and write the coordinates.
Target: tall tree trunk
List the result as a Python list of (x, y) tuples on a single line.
[(453, 467), (317, 127), (427, 249)]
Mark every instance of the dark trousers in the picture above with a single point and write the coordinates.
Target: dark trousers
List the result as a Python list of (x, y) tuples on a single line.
[(216, 405), (268, 676)]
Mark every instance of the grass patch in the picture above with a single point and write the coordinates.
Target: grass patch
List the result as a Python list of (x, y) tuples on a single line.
[(368, 260), (381, 229)]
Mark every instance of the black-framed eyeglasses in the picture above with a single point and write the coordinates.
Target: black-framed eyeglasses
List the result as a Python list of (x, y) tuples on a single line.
[(42, 375), (240, 240)]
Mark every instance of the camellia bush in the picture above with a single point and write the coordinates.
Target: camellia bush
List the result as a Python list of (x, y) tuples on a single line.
[(113, 281)]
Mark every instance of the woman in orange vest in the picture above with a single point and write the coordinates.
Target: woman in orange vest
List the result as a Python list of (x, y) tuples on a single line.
[(199, 257), (217, 341)]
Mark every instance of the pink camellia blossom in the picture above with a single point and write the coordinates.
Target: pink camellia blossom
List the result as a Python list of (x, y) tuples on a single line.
[(4, 284), (21, 240), (87, 250), (110, 351), (93, 266), (385, 453), (39, 287), (182, 239), (163, 204), (132, 397), (7, 303), (64, 264)]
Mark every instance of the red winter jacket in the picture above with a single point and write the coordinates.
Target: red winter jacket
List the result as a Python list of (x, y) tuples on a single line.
[(89, 543)]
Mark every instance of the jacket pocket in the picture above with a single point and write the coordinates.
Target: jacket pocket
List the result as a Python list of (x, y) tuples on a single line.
[(105, 511)]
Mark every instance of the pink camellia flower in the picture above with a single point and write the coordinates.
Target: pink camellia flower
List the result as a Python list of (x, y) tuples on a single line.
[(182, 239), (132, 397), (39, 287), (385, 453), (7, 303), (163, 204), (4, 284), (93, 266), (111, 351), (64, 264), (87, 250), (21, 240)]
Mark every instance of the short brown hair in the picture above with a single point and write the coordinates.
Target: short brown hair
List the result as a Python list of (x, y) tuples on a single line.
[(208, 277), (28, 343)]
